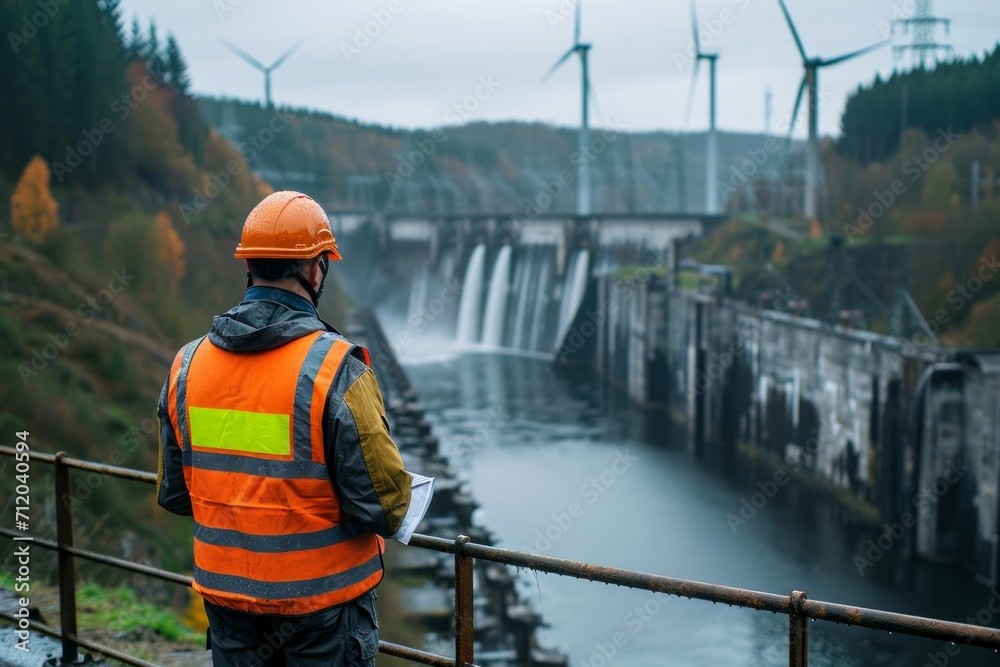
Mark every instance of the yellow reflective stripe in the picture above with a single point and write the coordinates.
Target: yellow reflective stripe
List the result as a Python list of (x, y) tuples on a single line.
[(239, 431)]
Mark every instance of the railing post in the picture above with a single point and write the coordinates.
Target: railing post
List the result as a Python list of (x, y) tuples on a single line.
[(463, 604), (67, 574), (798, 632)]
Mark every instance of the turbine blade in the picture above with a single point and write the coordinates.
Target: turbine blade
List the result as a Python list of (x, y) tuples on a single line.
[(853, 54), (576, 29), (558, 64), (691, 91), (798, 103), (795, 33), (287, 53), (694, 28), (253, 62)]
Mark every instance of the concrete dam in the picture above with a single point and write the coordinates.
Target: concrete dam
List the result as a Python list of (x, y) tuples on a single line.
[(902, 437)]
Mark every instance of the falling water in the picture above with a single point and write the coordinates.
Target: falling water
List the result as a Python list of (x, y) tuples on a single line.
[(418, 293), (523, 298), (496, 300), (541, 302), (472, 292), (573, 292)]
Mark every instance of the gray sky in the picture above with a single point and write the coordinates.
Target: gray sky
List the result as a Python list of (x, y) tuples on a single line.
[(431, 54)]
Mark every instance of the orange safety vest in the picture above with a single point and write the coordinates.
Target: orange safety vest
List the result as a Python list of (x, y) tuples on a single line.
[(270, 537)]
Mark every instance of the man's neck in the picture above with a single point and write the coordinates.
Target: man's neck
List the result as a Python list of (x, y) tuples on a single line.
[(292, 286)]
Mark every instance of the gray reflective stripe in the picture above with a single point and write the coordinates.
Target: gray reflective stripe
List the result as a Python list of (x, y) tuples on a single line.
[(251, 465), (283, 590), (273, 544), (302, 428), (181, 406)]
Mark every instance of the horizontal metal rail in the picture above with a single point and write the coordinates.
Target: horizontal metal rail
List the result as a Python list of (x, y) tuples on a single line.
[(86, 643), (104, 559), (796, 606), (919, 626)]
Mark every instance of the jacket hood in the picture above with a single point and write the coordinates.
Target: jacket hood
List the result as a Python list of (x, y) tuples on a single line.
[(262, 325)]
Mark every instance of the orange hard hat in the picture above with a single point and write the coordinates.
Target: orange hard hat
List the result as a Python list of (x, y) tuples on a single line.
[(287, 225)]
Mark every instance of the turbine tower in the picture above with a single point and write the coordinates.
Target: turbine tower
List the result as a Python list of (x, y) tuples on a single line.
[(256, 64), (810, 81), (583, 169), (711, 147)]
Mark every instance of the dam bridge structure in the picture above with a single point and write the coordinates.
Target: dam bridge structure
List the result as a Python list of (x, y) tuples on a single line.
[(521, 276)]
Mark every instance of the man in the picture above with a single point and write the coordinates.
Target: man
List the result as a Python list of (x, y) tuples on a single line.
[(273, 437)]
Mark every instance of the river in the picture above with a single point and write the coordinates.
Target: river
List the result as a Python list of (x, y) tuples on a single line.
[(559, 469)]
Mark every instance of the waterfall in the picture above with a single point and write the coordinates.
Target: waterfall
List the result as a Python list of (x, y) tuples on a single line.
[(573, 292), (564, 296), (541, 302), (418, 293), (523, 297), (496, 300), (472, 293)]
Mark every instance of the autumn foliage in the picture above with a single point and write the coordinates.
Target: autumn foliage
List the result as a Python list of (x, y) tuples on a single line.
[(167, 245), (33, 210)]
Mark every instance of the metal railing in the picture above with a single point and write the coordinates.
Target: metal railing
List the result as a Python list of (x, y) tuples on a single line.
[(796, 606)]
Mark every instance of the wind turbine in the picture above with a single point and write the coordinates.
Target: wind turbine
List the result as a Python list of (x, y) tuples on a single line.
[(256, 64), (811, 81), (711, 148), (583, 169)]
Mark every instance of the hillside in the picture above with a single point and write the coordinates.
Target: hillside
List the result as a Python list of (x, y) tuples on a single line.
[(473, 167)]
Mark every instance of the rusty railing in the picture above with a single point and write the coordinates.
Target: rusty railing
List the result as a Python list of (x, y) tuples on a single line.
[(796, 606)]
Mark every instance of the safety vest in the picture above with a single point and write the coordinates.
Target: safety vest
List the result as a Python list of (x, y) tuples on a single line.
[(269, 535)]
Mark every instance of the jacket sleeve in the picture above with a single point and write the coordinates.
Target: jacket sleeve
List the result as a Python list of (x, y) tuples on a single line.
[(365, 464), (171, 488)]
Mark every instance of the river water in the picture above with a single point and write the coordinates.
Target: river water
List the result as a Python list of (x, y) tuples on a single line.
[(559, 469)]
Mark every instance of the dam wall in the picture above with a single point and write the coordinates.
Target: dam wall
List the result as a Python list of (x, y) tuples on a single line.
[(895, 432)]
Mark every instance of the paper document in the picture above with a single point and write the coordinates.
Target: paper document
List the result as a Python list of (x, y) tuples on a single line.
[(421, 492)]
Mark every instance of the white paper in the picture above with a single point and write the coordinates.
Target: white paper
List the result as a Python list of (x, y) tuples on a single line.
[(421, 492)]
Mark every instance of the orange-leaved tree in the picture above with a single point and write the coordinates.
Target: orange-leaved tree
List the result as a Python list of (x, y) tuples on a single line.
[(169, 246), (33, 210)]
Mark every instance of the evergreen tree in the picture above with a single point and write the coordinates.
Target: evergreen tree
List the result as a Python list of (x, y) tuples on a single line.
[(176, 67), (155, 62), (135, 46)]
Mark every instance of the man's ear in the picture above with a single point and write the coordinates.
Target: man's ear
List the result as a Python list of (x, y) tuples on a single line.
[(313, 272)]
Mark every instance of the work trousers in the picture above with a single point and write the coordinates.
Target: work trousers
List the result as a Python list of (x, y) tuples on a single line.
[(345, 635)]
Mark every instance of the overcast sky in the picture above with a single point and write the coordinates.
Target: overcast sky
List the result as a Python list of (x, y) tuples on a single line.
[(432, 54)]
